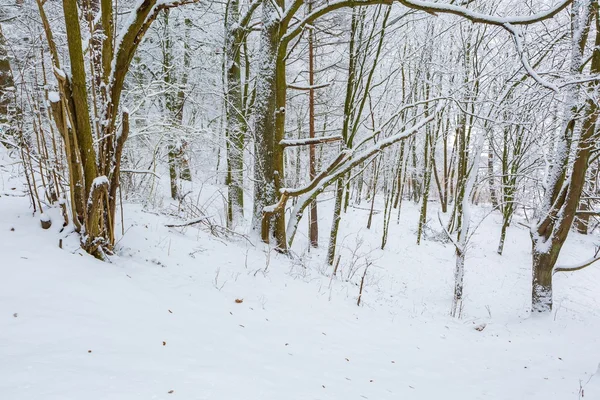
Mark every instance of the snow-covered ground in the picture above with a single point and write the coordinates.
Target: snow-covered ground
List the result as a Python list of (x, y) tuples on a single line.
[(182, 314)]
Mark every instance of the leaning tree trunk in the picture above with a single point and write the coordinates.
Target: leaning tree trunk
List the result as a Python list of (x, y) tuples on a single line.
[(563, 195)]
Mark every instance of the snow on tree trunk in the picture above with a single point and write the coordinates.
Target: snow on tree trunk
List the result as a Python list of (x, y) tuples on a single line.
[(236, 120)]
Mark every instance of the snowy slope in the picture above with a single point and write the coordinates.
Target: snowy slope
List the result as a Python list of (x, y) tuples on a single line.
[(161, 321)]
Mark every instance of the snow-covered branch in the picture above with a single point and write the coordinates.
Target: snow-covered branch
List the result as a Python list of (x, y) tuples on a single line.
[(473, 16), (347, 161), (309, 141)]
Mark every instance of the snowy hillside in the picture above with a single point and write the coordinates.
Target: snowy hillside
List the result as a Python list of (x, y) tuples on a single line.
[(182, 314), (300, 200)]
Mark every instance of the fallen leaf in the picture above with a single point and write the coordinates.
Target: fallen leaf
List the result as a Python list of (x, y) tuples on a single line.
[(164, 343), (89, 351), (239, 301), (170, 391)]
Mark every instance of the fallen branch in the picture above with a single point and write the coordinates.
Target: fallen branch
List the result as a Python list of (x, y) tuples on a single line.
[(188, 223), (135, 171)]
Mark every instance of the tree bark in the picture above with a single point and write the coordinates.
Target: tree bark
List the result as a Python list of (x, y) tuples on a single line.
[(236, 120), (7, 85), (314, 222)]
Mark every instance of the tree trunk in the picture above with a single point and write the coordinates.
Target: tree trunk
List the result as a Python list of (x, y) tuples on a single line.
[(264, 129), (564, 189), (337, 216), (7, 85), (541, 290), (314, 223), (236, 119), (491, 177), (95, 179)]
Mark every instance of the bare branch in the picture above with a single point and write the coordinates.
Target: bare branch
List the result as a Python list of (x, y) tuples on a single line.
[(321, 86), (577, 267)]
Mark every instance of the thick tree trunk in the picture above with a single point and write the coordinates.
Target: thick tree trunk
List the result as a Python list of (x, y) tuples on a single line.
[(565, 187), (541, 290), (268, 155), (234, 37)]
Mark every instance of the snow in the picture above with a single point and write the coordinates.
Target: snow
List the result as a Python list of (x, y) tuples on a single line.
[(54, 97), (60, 73), (100, 181), (307, 141), (163, 315)]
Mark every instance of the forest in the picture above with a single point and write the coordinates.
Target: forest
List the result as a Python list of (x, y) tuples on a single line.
[(394, 171)]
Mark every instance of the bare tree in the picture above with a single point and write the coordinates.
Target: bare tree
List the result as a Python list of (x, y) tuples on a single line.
[(88, 117)]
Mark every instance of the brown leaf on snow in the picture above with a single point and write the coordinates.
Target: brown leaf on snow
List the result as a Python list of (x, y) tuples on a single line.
[(164, 343), (239, 301), (480, 327), (170, 391)]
